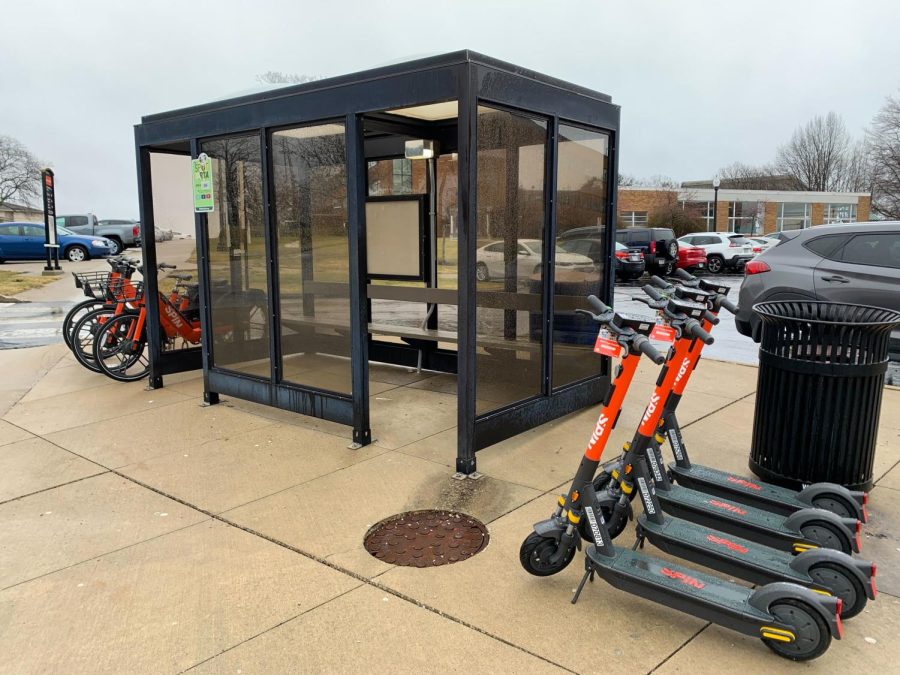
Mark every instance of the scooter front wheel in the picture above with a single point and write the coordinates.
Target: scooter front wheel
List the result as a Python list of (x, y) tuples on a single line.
[(536, 555), (812, 637)]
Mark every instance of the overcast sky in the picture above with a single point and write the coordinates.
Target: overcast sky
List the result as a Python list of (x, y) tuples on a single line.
[(701, 84)]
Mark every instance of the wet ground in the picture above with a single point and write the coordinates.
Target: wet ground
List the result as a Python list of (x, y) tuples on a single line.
[(31, 324)]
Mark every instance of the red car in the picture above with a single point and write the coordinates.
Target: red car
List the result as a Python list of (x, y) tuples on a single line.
[(691, 257)]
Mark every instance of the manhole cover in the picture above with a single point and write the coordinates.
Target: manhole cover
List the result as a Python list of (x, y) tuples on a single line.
[(426, 538)]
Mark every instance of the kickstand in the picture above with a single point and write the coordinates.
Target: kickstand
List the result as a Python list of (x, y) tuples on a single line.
[(638, 543), (588, 573)]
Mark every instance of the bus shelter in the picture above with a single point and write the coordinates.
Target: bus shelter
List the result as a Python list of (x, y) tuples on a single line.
[(448, 214)]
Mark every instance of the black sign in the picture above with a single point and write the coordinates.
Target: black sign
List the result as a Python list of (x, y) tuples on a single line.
[(47, 184)]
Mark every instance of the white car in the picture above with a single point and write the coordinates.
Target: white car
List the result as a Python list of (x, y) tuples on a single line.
[(490, 265), (724, 250), (764, 242)]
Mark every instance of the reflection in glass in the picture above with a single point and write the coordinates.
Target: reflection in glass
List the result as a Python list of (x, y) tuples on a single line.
[(581, 229), (310, 179), (510, 229), (237, 256)]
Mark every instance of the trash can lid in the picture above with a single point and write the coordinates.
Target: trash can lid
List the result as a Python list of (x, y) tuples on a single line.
[(831, 313)]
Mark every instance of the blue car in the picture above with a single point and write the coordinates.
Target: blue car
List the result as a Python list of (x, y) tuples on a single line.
[(25, 241)]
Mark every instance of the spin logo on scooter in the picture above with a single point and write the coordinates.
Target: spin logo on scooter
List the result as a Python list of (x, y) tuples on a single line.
[(682, 370), (600, 429), (682, 577), (651, 407)]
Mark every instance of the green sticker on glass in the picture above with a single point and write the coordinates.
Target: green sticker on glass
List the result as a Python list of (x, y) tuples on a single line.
[(201, 171)]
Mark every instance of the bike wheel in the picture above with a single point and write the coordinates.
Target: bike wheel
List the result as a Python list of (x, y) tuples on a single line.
[(78, 311), (84, 333), (119, 352)]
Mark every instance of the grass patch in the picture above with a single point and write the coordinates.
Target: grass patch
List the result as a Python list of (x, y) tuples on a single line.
[(12, 283)]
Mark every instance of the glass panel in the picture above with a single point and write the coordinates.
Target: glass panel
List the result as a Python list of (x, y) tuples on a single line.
[(510, 163), (881, 250), (310, 178), (396, 177), (840, 213), (583, 158), (237, 257)]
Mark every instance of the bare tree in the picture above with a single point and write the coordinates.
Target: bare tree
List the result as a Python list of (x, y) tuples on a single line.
[(277, 77), (884, 144), (817, 153), (20, 172)]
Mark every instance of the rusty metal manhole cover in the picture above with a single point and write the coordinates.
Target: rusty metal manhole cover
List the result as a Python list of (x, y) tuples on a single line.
[(426, 538)]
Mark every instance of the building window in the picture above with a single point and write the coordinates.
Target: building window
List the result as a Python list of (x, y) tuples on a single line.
[(743, 217), (840, 213), (402, 174), (793, 216), (707, 216), (632, 218)]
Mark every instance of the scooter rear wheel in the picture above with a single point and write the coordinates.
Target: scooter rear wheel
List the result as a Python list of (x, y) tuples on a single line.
[(827, 536), (843, 585), (835, 504), (812, 635), (536, 552)]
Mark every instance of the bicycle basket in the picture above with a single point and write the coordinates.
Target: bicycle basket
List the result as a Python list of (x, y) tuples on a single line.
[(94, 284), (125, 290)]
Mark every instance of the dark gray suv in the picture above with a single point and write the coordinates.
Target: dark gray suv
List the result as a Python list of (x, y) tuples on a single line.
[(857, 263)]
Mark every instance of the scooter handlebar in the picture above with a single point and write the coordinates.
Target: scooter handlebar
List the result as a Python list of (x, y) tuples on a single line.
[(729, 305), (709, 316), (645, 347), (652, 292), (684, 275), (660, 283), (695, 330), (598, 305)]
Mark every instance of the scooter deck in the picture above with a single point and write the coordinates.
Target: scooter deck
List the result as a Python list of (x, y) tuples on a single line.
[(745, 490), (725, 553), (758, 525), (680, 587)]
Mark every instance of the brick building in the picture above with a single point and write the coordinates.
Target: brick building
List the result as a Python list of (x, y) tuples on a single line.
[(745, 211)]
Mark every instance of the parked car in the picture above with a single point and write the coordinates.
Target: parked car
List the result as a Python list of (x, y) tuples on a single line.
[(691, 257), (658, 244), (857, 264), (123, 233), (490, 262), (764, 243), (630, 263), (724, 250), (25, 241)]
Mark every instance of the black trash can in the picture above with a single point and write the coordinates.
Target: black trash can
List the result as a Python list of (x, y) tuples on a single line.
[(818, 396)]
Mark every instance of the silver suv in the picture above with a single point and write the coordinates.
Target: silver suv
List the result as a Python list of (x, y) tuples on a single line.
[(857, 263)]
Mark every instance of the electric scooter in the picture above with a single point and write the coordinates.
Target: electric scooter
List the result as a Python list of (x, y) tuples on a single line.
[(802, 530), (793, 621), (752, 491)]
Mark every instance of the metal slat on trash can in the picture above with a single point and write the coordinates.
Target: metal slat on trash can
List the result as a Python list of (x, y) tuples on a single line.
[(818, 398)]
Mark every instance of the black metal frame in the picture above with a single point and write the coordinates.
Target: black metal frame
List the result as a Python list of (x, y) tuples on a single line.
[(360, 100)]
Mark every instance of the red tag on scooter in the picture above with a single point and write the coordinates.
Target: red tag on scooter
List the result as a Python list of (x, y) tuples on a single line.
[(663, 333), (607, 347)]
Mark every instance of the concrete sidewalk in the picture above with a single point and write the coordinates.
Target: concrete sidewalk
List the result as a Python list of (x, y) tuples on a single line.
[(140, 532)]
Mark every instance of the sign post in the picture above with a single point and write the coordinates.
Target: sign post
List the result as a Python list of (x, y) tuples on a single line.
[(51, 244), (201, 174)]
